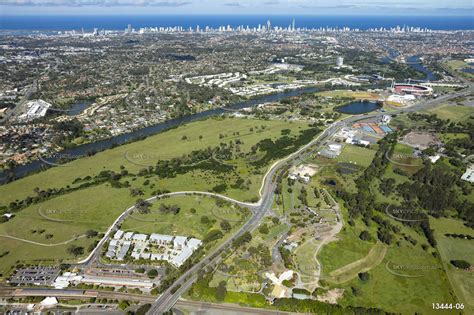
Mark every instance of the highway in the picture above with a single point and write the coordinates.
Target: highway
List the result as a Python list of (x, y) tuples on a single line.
[(167, 299)]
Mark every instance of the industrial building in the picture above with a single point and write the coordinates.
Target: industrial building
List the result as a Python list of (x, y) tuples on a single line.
[(35, 109)]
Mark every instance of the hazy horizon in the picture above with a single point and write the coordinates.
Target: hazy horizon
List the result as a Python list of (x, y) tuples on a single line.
[(236, 7)]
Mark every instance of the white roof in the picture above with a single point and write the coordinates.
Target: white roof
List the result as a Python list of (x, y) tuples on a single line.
[(179, 240), (469, 174), (118, 281), (287, 275), (335, 146), (118, 235), (159, 257), (49, 301), (128, 235), (160, 237), (179, 259), (110, 254), (194, 243), (434, 158)]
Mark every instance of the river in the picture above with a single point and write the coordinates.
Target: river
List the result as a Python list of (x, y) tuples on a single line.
[(413, 61), (416, 63), (83, 150)]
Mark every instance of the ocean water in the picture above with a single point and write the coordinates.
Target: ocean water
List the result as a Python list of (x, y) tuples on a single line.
[(119, 22)]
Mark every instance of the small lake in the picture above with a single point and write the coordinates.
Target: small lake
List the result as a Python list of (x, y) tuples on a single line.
[(358, 107), (78, 108)]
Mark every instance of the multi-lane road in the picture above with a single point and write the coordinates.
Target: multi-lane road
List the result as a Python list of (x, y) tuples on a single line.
[(167, 299)]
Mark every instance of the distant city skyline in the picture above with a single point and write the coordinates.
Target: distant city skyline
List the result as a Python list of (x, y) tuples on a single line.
[(242, 7)]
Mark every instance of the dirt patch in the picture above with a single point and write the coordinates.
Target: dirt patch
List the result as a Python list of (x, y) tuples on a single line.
[(420, 140), (331, 296)]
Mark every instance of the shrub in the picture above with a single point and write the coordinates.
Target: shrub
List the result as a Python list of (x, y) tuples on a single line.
[(461, 264)]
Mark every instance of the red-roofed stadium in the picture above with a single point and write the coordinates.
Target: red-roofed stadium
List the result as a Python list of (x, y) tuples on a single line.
[(404, 88)]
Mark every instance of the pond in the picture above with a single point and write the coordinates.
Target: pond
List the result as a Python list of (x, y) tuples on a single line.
[(78, 108), (359, 107), (75, 109)]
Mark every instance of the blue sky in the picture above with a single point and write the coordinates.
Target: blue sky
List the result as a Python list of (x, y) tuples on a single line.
[(312, 7)]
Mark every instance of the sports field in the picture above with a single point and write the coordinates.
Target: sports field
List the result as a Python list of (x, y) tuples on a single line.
[(356, 155)]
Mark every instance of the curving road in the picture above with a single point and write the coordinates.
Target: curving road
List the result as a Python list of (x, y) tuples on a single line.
[(42, 244), (94, 255), (259, 209), (167, 299)]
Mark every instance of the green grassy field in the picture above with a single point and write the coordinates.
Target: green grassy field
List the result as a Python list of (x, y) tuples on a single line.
[(454, 249), (385, 289), (63, 218), (66, 216), (347, 249), (403, 159), (306, 265), (454, 112), (350, 271), (356, 155), (348, 93), (399, 293), (141, 154), (185, 222), (458, 65)]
